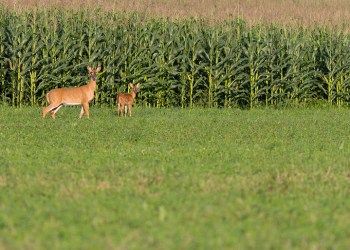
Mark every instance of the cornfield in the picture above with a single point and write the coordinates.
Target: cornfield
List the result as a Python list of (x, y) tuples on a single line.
[(183, 63)]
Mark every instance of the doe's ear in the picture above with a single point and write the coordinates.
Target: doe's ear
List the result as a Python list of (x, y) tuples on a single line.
[(98, 69), (89, 68), (131, 85), (138, 85)]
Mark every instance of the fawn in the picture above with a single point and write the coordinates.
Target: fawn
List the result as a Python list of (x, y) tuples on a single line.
[(124, 101)]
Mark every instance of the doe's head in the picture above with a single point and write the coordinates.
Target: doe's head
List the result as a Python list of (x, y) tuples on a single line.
[(93, 72)]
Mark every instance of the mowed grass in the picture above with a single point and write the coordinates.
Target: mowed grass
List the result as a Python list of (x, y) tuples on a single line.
[(175, 179)]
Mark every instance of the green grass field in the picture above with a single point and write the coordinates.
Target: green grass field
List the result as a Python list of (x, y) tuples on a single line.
[(175, 179)]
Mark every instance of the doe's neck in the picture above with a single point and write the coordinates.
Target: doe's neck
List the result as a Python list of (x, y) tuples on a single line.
[(92, 83)]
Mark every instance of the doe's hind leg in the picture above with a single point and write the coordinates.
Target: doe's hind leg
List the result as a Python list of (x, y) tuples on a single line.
[(49, 108), (54, 111)]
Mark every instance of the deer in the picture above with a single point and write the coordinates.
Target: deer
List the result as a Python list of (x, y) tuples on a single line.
[(124, 101), (82, 95)]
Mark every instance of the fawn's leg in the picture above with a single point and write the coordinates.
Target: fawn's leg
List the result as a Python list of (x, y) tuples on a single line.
[(125, 109), (130, 108), (120, 109)]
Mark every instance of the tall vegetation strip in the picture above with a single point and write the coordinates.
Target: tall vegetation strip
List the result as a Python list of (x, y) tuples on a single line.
[(179, 63)]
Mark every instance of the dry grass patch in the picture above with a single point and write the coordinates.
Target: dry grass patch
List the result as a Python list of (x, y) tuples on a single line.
[(309, 12)]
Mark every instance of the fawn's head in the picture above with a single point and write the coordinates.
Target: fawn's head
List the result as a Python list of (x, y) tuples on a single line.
[(93, 72), (133, 87)]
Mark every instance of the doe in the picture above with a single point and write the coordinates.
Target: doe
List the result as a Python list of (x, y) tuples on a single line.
[(72, 96)]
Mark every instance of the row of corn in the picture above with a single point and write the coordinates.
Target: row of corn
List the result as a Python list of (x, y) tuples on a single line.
[(183, 63)]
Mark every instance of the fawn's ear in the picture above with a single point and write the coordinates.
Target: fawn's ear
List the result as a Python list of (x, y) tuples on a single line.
[(98, 69), (131, 85), (138, 85), (89, 68)]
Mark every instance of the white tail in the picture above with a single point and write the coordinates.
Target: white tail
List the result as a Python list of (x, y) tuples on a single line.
[(126, 100), (72, 96)]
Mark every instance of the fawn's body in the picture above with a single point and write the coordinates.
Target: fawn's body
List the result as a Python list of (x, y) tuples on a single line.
[(125, 100), (72, 96)]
